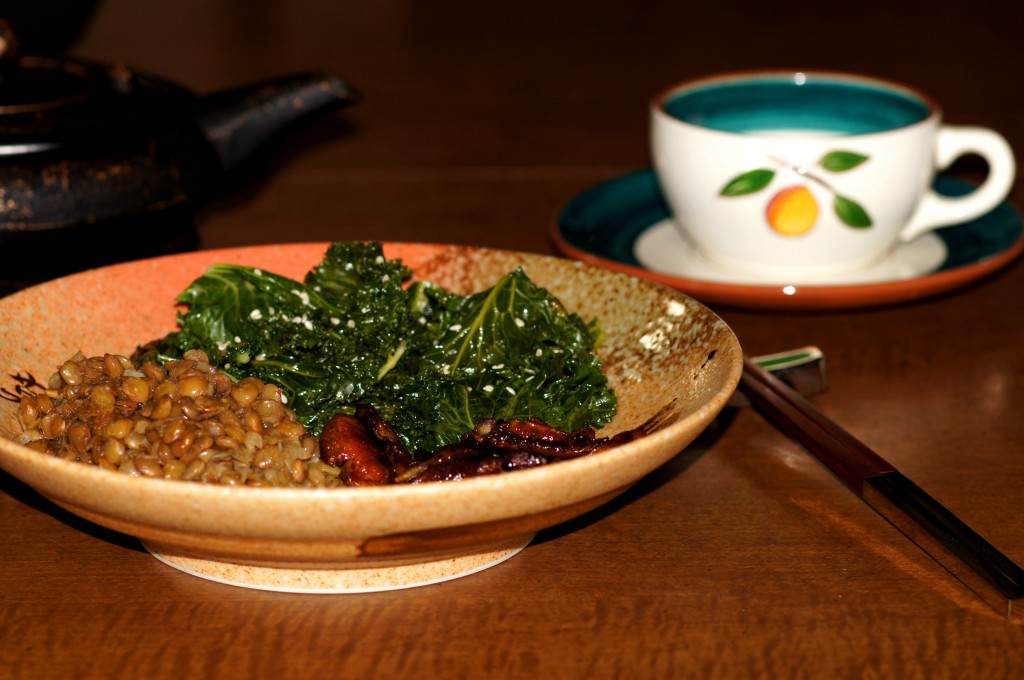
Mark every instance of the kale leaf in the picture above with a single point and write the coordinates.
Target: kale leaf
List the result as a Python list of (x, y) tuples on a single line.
[(431, 361)]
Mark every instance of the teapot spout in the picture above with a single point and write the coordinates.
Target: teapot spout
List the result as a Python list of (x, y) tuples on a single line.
[(238, 122)]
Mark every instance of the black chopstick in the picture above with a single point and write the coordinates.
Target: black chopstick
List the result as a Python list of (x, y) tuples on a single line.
[(959, 549)]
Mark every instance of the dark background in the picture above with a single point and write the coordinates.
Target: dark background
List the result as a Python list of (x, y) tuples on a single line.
[(541, 91)]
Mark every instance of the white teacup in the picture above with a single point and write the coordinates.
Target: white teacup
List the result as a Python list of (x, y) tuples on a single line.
[(809, 174)]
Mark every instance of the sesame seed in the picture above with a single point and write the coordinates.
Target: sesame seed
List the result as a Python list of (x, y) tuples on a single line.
[(488, 388), (256, 314)]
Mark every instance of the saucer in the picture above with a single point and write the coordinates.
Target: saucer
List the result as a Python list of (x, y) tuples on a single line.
[(624, 224), (663, 249)]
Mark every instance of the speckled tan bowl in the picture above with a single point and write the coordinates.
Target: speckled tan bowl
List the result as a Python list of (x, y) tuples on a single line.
[(661, 350)]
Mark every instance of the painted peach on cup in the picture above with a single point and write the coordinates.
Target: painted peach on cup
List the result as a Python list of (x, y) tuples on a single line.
[(792, 211)]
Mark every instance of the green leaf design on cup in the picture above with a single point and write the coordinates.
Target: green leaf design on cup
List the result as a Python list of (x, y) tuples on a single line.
[(841, 161), (851, 213), (748, 182)]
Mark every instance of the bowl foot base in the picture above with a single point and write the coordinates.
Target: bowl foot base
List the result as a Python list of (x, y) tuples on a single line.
[(340, 580)]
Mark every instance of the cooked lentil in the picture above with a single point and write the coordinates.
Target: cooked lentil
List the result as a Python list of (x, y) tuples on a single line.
[(182, 420)]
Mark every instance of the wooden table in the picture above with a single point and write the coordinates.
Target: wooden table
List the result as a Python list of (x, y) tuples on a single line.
[(740, 558)]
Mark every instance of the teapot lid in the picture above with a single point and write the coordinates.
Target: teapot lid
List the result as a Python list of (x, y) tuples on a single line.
[(46, 102)]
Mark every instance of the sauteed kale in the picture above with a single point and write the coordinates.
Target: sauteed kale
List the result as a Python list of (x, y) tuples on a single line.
[(432, 362)]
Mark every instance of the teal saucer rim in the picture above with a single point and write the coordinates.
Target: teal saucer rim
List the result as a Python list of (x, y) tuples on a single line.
[(601, 225)]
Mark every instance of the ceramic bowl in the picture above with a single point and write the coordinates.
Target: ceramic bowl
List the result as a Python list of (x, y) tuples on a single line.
[(663, 352)]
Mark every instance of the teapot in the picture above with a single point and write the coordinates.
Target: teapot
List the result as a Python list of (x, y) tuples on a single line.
[(88, 149)]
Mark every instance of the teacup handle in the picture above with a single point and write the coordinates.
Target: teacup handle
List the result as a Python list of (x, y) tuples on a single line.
[(953, 142)]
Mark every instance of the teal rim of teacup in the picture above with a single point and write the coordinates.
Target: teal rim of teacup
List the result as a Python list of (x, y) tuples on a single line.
[(777, 102)]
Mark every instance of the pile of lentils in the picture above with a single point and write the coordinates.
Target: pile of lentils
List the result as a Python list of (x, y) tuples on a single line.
[(180, 420)]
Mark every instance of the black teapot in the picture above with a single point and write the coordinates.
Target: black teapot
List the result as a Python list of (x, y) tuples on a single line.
[(88, 150)]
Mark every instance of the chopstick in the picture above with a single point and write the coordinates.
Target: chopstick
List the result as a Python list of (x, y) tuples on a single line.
[(992, 576)]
